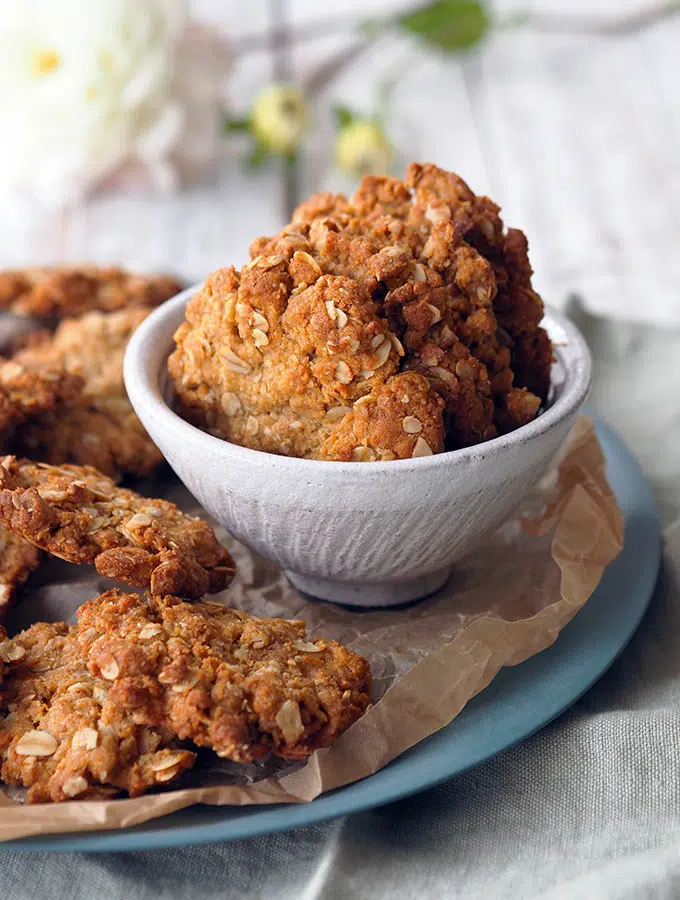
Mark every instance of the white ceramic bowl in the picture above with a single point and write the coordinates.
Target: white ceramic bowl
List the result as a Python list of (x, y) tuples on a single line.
[(368, 534)]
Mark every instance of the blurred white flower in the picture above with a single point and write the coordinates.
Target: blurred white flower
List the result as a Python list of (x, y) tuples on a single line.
[(279, 118), (122, 89)]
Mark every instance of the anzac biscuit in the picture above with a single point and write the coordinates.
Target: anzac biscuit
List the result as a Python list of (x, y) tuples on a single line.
[(73, 290), (62, 735), (18, 560), (418, 275), (97, 427), (241, 685), (80, 515)]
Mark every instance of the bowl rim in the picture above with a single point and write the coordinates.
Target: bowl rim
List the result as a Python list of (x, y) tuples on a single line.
[(146, 396)]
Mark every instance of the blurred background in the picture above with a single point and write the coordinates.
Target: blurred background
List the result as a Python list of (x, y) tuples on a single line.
[(165, 135)]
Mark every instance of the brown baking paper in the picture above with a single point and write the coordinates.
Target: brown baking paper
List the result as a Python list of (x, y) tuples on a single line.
[(503, 604)]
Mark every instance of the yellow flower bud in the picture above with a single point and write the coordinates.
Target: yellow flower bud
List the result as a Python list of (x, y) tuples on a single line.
[(361, 148), (279, 118)]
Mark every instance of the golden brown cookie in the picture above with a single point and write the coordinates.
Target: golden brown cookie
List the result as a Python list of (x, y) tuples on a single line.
[(11, 654), (64, 737), (244, 686), (264, 356), (18, 560), (27, 396), (400, 419), (73, 290), (80, 515), (519, 311), (416, 275), (97, 427)]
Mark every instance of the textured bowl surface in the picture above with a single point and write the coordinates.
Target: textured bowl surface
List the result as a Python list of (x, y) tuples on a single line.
[(362, 533)]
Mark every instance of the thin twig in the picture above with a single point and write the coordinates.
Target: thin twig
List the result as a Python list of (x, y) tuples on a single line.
[(321, 76), (317, 28), (282, 72), (556, 23), (278, 40), (406, 65)]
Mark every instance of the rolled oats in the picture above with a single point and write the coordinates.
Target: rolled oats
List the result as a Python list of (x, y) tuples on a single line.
[(36, 743), (411, 425), (422, 448), (343, 372)]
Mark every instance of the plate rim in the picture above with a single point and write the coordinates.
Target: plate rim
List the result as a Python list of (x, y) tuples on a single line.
[(371, 791)]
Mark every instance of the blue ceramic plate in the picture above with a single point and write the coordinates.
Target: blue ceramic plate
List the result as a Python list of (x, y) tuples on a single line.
[(517, 703)]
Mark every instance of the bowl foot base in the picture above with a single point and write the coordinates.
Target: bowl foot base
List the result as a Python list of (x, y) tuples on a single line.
[(368, 594)]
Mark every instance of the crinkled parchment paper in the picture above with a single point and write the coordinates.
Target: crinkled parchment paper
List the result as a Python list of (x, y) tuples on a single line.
[(502, 605)]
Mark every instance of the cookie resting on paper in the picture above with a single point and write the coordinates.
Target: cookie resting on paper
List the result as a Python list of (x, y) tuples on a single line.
[(80, 515), (243, 686), (62, 735)]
